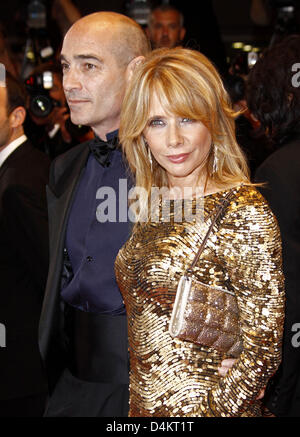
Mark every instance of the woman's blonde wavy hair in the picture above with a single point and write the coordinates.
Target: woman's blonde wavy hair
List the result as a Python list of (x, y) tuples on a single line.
[(188, 85)]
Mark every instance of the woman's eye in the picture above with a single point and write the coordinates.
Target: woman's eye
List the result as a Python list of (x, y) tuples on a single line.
[(156, 122), (186, 120)]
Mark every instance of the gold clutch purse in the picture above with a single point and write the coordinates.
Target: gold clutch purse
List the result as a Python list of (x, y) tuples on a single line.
[(204, 314)]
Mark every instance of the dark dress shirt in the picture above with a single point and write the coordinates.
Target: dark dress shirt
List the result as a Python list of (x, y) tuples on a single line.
[(92, 245)]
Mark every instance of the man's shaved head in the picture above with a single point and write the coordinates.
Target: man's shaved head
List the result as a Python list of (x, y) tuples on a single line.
[(127, 39)]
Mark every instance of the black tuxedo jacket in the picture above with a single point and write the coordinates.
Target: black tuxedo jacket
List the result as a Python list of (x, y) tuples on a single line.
[(23, 269), (281, 172), (65, 174)]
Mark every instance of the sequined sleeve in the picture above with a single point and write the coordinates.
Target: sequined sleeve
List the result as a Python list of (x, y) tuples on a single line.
[(251, 252)]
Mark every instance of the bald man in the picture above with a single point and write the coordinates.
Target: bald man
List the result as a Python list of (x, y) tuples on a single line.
[(83, 328)]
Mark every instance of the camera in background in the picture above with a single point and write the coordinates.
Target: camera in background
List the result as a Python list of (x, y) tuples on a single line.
[(48, 124)]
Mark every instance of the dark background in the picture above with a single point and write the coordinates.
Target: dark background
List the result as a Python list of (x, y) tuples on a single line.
[(212, 25), (204, 19)]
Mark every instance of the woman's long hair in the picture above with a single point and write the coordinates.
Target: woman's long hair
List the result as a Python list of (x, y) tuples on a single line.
[(187, 85)]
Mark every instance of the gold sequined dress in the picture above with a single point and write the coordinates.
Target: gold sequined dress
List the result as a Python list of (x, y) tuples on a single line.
[(170, 377)]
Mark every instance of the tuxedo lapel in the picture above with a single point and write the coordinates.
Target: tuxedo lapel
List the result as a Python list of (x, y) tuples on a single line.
[(60, 198), (3, 169)]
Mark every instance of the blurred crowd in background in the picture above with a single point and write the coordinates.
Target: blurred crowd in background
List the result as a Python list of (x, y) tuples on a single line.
[(31, 38)]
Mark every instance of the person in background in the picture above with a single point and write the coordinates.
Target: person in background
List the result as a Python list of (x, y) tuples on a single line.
[(54, 133), (253, 142), (64, 13), (177, 132), (23, 257), (5, 55), (273, 96), (83, 327), (261, 12), (165, 27)]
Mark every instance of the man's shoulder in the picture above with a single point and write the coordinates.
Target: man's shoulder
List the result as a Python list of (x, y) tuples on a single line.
[(66, 160), (284, 161), (285, 153), (27, 165), (36, 156), (71, 154), (27, 152)]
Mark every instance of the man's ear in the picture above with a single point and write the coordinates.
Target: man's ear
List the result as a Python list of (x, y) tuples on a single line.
[(17, 117), (182, 33), (132, 66)]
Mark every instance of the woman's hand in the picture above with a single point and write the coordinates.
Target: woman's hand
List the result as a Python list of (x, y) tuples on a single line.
[(226, 365)]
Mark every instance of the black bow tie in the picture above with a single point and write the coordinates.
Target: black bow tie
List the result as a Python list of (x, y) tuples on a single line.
[(102, 149)]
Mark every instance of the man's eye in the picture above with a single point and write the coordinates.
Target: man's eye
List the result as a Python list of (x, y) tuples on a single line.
[(89, 66), (64, 67)]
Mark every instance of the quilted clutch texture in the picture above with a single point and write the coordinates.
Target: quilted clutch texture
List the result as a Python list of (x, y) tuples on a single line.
[(208, 316)]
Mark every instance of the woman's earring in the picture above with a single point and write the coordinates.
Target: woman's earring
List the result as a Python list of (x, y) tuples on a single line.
[(215, 167), (149, 152), (150, 157)]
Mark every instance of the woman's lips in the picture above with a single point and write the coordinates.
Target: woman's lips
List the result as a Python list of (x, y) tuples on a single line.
[(76, 101), (178, 159)]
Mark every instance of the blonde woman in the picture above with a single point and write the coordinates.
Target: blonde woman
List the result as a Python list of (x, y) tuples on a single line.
[(177, 132)]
